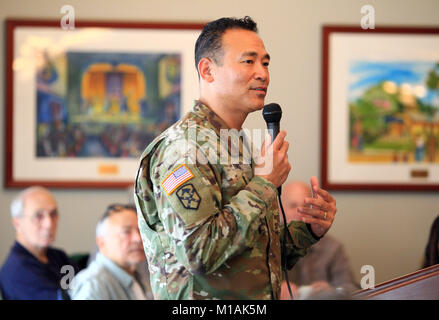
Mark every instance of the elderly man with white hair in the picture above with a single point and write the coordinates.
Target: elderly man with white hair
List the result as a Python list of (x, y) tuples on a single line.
[(33, 268), (113, 274)]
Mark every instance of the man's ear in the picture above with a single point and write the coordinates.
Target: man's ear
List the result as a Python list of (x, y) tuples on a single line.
[(100, 242), (16, 223), (205, 68)]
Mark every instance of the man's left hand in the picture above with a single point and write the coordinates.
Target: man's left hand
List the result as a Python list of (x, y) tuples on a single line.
[(319, 211)]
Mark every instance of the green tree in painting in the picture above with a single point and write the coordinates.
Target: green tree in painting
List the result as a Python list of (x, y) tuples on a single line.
[(372, 108), (432, 81)]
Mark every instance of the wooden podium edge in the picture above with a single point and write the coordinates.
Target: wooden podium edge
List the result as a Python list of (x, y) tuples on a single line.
[(398, 282)]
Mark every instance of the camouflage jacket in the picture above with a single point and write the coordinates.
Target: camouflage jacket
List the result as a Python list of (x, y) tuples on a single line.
[(211, 230)]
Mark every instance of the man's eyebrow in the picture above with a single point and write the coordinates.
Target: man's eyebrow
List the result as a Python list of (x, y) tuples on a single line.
[(254, 54), (129, 227)]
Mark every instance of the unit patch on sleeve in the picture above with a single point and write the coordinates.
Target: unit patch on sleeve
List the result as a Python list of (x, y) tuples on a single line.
[(189, 197), (176, 178)]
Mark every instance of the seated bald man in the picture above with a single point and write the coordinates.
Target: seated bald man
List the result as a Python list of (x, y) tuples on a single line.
[(325, 271), (32, 270), (113, 273)]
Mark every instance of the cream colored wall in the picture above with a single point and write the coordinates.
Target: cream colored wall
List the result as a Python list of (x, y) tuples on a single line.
[(385, 229)]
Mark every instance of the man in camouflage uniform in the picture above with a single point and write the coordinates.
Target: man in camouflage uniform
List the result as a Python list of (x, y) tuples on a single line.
[(211, 228)]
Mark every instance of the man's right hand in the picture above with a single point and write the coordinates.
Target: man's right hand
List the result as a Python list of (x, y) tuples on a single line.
[(273, 163)]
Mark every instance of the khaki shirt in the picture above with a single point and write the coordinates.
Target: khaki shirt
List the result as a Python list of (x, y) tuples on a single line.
[(210, 228)]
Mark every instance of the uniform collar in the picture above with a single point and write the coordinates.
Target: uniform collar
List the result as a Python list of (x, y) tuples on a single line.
[(206, 113)]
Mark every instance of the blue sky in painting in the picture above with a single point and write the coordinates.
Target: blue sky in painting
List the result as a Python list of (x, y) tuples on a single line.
[(364, 74)]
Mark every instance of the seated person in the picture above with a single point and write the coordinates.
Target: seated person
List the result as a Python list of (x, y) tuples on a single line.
[(113, 275), (431, 256), (325, 270), (33, 268)]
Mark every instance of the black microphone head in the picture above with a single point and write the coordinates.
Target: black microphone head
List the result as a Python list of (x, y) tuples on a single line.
[(272, 113)]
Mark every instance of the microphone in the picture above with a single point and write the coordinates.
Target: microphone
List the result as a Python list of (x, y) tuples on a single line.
[(272, 113)]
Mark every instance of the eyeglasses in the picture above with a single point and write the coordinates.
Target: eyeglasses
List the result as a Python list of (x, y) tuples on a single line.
[(39, 215)]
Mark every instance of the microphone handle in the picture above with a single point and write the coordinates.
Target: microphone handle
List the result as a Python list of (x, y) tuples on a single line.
[(273, 130)]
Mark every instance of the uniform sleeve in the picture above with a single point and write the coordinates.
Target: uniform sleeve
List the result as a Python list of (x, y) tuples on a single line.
[(205, 232), (297, 245)]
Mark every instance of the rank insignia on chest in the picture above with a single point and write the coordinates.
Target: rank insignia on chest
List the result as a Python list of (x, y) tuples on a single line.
[(189, 197), (176, 178)]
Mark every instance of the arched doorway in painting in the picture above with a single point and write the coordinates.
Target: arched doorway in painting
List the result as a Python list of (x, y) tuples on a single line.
[(113, 90)]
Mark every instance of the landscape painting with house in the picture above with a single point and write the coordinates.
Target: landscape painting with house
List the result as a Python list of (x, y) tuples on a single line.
[(393, 112)]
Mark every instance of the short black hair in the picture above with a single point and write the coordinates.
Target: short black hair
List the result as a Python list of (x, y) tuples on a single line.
[(209, 42)]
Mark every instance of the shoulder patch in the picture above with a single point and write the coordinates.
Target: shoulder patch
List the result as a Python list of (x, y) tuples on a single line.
[(189, 197), (176, 178)]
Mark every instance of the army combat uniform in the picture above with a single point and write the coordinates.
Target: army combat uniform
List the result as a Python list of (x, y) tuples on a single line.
[(211, 230)]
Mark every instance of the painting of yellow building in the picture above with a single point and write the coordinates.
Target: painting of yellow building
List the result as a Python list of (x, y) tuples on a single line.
[(106, 99)]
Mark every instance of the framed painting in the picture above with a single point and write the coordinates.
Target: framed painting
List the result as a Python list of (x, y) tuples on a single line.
[(82, 104), (380, 103)]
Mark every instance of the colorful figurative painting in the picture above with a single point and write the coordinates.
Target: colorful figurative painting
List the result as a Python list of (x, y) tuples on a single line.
[(393, 111), (105, 104)]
